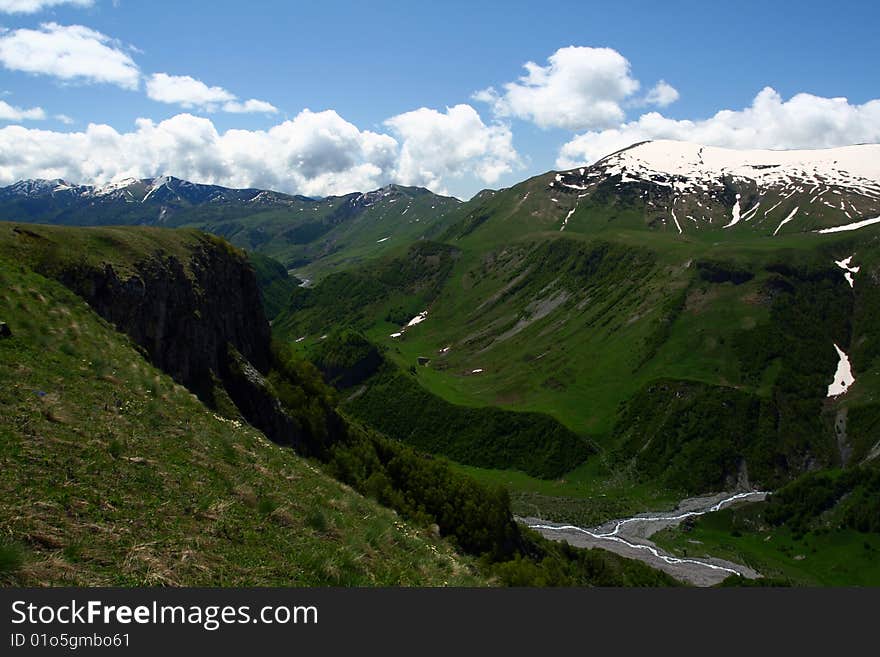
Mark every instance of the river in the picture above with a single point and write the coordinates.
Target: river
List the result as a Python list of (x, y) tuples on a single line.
[(629, 537)]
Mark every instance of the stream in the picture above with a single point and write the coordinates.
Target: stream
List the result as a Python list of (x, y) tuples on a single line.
[(630, 538)]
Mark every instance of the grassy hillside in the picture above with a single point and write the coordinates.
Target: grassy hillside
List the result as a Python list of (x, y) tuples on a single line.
[(48, 248), (382, 396), (128, 478), (315, 236), (115, 475), (740, 326), (394, 288)]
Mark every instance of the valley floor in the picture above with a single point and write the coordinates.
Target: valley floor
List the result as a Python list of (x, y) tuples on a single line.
[(630, 538)]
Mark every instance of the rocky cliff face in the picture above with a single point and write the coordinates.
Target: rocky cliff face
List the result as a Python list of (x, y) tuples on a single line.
[(254, 397), (183, 314), (192, 303)]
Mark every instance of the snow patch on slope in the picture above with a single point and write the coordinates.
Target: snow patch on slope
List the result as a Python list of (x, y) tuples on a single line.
[(567, 217), (843, 377), (675, 219), (418, 319), (736, 210), (786, 220), (853, 226), (845, 265)]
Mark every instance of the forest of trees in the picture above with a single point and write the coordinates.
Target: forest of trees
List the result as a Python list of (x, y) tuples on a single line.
[(849, 499)]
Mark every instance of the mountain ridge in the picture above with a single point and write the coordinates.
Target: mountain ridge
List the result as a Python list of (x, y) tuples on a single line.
[(299, 231), (41, 186), (689, 190)]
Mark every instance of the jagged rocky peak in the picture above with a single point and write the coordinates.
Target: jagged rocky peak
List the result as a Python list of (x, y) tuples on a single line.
[(169, 191), (114, 186), (162, 189)]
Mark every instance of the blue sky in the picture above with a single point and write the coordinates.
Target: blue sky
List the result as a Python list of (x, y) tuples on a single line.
[(370, 62)]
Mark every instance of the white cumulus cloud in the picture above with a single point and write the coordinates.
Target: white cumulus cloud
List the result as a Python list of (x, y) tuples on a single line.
[(252, 106), (437, 146), (581, 88), (69, 52), (316, 153), (11, 113), (33, 6), (191, 93), (803, 121), (185, 90), (662, 94)]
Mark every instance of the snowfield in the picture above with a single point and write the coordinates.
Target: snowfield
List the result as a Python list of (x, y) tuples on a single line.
[(848, 166), (740, 183)]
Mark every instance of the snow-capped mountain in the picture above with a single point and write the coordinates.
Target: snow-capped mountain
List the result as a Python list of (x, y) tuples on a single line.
[(164, 189), (39, 187), (688, 187), (681, 187), (295, 229), (165, 200)]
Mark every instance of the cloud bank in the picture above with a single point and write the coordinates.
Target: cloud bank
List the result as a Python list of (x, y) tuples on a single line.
[(315, 153), (437, 146)]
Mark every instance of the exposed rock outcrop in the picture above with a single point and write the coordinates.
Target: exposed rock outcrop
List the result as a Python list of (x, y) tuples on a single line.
[(183, 314), (195, 311)]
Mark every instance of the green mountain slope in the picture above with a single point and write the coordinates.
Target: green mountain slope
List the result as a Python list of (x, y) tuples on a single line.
[(315, 237), (113, 474), (671, 321), (705, 328), (690, 191), (583, 323), (187, 464), (309, 235)]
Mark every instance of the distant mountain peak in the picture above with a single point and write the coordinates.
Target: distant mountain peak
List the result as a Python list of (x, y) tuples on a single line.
[(38, 186), (169, 189), (691, 164), (114, 186), (686, 186)]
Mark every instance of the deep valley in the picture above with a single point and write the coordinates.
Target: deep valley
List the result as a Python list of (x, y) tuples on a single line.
[(203, 385)]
